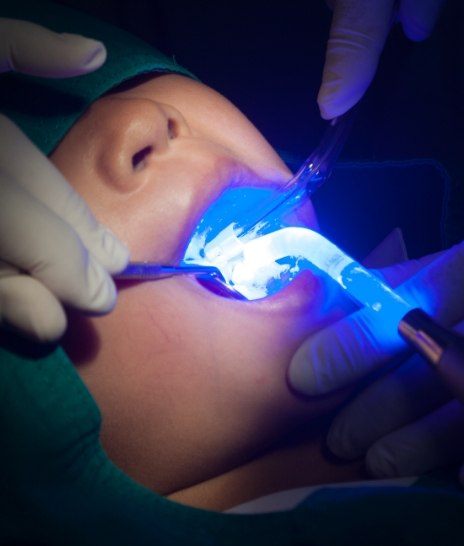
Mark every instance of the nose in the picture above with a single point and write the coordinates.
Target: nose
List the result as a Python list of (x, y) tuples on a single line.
[(135, 133)]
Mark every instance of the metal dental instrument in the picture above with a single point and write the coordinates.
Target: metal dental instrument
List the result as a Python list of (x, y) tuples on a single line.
[(310, 176), (148, 271)]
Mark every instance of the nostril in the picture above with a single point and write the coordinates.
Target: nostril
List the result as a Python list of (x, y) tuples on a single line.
[(139, 159), (173, 129)]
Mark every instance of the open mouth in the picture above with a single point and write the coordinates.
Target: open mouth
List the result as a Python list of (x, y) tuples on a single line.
[(216, 231)]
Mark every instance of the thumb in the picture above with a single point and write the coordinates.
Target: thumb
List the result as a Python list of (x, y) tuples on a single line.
[(342, 353), (32, 49), (357, 36), (336, 351)]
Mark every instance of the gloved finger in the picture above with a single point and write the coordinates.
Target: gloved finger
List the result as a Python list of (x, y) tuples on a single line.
[(39, 177), (418, 17), (397, 274), (404, 395), (357, 37), (313, 368), (393, 401), (391, 250), (37, 241), (28, 306), (438, 288), (32, 49), (362, 342), (435, 440)]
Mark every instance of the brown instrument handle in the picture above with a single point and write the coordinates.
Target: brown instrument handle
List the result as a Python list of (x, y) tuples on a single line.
[(442, 348)]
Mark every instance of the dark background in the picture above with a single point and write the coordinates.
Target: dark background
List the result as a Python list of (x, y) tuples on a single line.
[(267, 58)]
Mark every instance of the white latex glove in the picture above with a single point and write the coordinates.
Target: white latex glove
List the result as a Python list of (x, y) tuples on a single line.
[(361, 343), (357, 37), (407, 421), (31, 49), (52, 250)]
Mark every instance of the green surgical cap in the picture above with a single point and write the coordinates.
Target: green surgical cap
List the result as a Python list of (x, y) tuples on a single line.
[(45, 109)]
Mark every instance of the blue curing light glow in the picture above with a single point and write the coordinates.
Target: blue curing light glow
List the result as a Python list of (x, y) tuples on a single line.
[(263, 262), (231, 210), (369, 290), (225, 217)]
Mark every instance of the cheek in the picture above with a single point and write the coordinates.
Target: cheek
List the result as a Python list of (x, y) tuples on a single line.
[(204, 343), (190, 384), (156, 219)]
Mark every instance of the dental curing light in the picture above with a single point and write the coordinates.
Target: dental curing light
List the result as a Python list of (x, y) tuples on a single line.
[(442, 348), (268, 263), (263, 266)]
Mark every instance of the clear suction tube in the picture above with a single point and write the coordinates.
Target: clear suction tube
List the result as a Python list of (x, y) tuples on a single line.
[(309, 177)]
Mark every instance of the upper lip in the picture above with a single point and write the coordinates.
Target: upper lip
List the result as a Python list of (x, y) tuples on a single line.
[(234, 174)]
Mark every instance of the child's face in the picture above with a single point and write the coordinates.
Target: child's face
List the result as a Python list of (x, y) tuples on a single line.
[(189, 383)]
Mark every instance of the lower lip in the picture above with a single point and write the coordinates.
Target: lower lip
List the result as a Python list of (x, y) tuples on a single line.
[(303, 292), (219, 289)]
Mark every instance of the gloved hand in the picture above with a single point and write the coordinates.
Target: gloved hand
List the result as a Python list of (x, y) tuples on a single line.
[(407, 421), (52, 250), (357, 37)]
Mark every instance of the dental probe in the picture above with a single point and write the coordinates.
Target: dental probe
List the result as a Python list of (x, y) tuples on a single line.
[(139, 271), (149, 271), (442, 348)]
